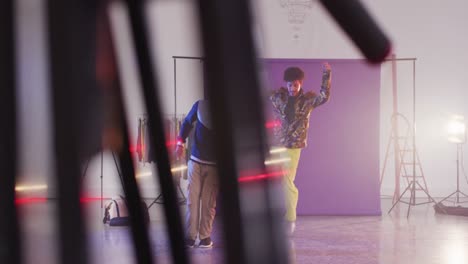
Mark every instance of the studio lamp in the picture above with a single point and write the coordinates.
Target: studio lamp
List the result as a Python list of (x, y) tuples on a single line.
[(456, 132)]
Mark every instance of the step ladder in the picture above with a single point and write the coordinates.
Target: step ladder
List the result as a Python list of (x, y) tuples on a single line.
[(409, 164), (410, 167)]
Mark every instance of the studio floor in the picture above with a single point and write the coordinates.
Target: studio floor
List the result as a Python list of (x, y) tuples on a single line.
[(424, 237)]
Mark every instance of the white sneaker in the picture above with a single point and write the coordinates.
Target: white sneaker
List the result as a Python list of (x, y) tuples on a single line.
[(290, 228)]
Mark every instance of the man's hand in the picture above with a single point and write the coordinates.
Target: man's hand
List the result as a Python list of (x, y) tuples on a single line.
[(180, 151), (326, 67)]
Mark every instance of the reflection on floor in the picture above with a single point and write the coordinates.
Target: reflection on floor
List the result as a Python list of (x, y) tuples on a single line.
[(423, 238)]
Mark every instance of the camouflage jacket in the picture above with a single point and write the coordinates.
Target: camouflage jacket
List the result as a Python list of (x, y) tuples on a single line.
[(293, 120)]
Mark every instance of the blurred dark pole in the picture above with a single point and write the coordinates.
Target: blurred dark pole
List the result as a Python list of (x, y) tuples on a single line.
[(141, 241), (358, 24), (116, 136), (76, 101), (152, 104), (251, 226), (10, 250)]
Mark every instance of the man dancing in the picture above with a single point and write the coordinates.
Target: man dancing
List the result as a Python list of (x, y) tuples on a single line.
[(292, 107)]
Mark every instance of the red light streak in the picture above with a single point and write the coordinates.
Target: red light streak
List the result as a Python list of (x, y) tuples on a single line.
[(90, 199), (262, 176), (272, 124), (29, 200)]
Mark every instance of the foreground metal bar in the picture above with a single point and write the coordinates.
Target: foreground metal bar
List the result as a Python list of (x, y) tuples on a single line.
[(110, 82), (361, 28), (10, 251), (156, 129), (72, 46), (252, 230)]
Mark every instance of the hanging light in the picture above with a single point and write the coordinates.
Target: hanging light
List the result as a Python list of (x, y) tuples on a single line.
[(456, 129)]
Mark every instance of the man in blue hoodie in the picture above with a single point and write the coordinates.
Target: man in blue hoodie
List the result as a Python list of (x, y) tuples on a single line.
[(202, 175)]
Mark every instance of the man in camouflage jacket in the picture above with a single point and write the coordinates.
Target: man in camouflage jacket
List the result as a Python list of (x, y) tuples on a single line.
[(292, 107)]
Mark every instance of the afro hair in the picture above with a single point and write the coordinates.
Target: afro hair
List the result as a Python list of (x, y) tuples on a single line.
[(293, 73)]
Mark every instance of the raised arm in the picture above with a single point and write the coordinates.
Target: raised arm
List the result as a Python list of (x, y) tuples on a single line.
[(324, 94), (185, 129)]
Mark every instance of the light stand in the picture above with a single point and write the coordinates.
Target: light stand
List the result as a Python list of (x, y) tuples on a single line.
[(102, 173), (159, 198), (457, 136)]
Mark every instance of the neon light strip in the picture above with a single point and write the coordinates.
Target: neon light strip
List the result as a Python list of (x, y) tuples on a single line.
[(261, 176), (30, 200), (277, 150), (275, 161), (143, 174), (180, 168), (25, 188)]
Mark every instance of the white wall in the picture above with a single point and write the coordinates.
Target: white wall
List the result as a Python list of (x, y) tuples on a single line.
[(429, 30)]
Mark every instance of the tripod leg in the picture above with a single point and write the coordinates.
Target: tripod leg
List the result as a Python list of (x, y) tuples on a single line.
[(412, 197), (159, 197), (155, 201), (102, 175), (85, 170), (118, 169), (184, 199), (428, 195), (432, 199), (448, 197), (398, 200), (386, 159)]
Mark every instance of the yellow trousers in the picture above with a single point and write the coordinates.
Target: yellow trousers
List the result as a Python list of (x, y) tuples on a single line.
[(290, 190)]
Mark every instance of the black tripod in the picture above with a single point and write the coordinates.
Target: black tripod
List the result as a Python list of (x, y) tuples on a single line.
[(102, 173), (457, 192), (159, 198)]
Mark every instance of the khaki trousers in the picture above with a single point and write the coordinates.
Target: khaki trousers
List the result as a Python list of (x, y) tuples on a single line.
[(201, 199)]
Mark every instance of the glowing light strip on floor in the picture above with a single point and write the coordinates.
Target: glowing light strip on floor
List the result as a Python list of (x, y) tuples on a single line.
[(26, 188)]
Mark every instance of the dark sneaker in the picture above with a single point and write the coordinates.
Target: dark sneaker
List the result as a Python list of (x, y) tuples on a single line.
[(205, 243), (189, 243)]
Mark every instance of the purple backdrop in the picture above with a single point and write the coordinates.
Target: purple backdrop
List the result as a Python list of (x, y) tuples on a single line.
[(338, 172)]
